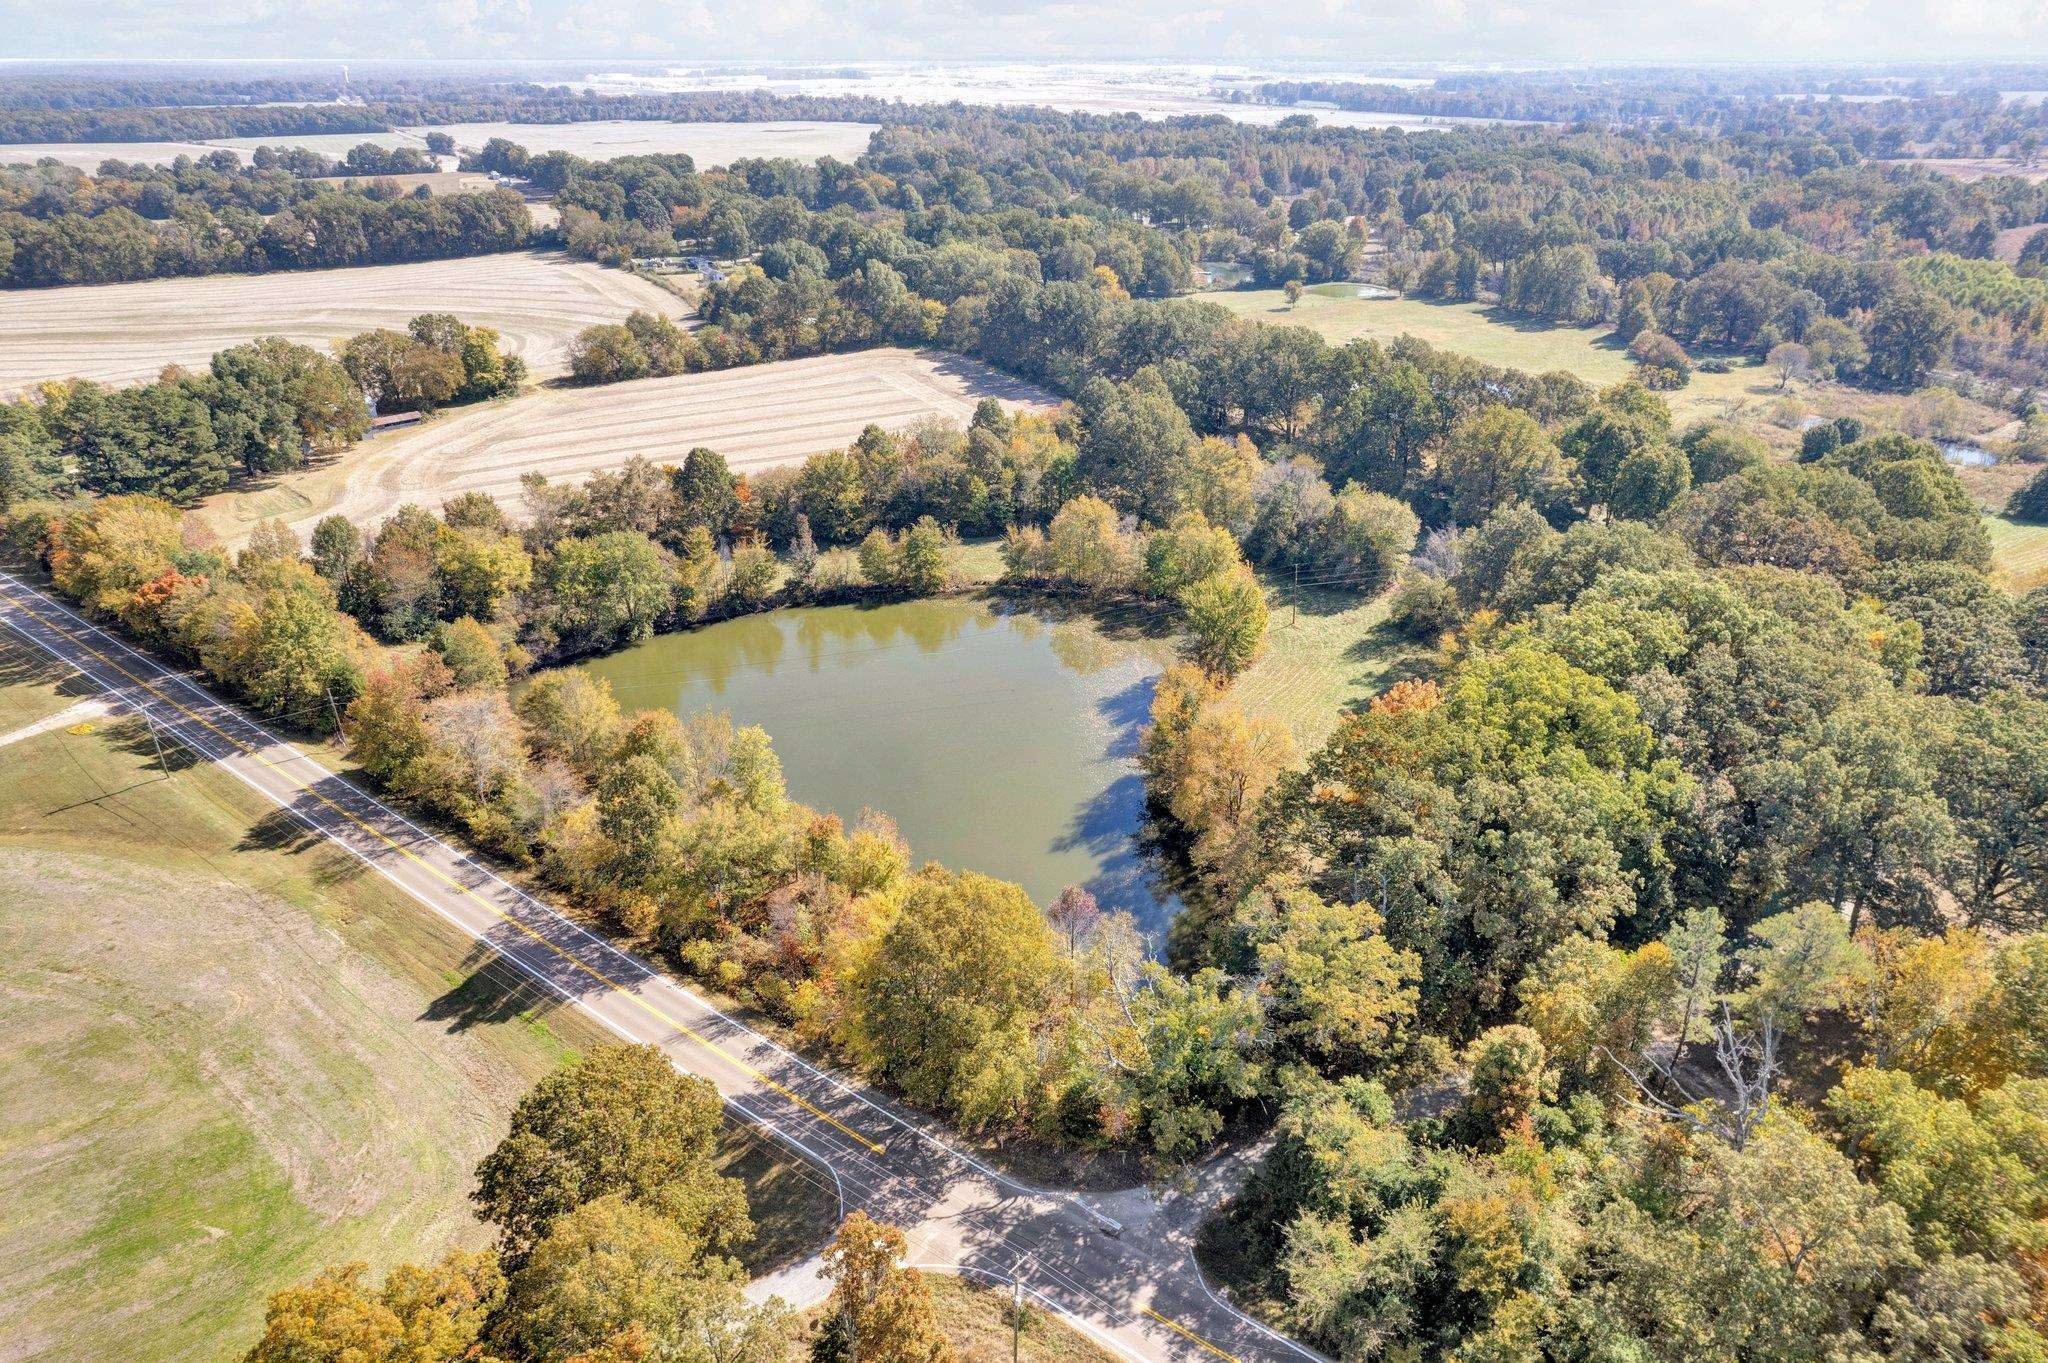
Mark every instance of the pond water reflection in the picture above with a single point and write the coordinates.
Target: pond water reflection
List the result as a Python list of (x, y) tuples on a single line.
[(999, 740)]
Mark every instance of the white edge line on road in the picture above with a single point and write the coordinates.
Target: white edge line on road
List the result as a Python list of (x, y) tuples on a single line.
[(1086, 1327), (747, 1115), (1101, 1219), (202, 747)]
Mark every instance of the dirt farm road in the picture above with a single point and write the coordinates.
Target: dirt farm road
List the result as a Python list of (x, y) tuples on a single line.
[(1133, 1287)]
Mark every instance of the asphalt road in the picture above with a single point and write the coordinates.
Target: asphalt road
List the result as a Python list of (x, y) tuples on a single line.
[(1133, 1287)]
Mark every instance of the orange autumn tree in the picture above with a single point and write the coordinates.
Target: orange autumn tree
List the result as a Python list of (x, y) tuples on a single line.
[(881, 1309)]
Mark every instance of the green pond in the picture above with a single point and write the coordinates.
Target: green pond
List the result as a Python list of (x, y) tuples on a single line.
[(999, 740)]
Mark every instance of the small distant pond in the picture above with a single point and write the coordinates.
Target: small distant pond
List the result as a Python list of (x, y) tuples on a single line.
[(999, 740), (1967, 456)]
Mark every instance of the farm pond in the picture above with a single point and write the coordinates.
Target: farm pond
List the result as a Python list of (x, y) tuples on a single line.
[(999, 739)]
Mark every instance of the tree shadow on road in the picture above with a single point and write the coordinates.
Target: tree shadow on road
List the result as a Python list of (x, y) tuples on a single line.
[(491, 991)]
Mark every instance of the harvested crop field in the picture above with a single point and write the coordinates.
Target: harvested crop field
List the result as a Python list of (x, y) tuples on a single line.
[(711, 144), (757, 417), (125, 333), (86, 156), (1970, 169), (2012, 241)]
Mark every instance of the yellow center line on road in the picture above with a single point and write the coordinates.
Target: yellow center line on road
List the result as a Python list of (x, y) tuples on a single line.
[(455, 884), (435, 871), (1186, 1333)]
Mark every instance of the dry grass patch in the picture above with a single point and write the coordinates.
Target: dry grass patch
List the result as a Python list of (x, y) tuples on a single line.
[(2012, 240), (976, 1318), (126, 333), (1970, 169)]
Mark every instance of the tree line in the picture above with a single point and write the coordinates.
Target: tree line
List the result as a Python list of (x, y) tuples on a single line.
[(1747, 251), (45, 242), (1881, 112), (262, 408)]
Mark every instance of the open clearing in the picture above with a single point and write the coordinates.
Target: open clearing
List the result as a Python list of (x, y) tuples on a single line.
[(710, 144), (2012, 241), (1746, 395), (125, 333), (1970, 169), (1327, 653), (757, 416), (2019, 550), (1337, 314), (235, 1055)]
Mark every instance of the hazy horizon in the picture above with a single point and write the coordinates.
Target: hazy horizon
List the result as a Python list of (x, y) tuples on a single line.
[(1478, 32)]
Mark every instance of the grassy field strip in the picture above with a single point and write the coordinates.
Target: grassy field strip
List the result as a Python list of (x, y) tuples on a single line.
[(1331, 655), (236, 1055), (34, 686), (2019, 550), (124, 333), (756, 416), (1337, 314), (1747, 394)]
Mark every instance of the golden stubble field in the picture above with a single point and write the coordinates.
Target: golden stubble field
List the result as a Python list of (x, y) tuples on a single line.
[(757, 417), (126, 333), (709, 144)]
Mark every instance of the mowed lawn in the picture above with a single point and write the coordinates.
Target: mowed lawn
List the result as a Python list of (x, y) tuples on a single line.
[(234, 1054), (1337, 314), (2019, 550), (1327, 653)]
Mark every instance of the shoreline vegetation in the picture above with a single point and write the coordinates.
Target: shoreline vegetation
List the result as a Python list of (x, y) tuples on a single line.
[(1609, 846)]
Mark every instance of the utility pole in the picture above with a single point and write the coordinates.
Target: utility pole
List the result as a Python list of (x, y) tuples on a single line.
[(333, 709), (161, 763), (1016, 1314)]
